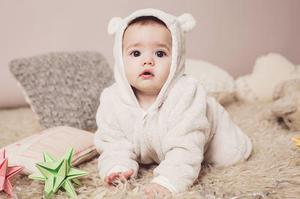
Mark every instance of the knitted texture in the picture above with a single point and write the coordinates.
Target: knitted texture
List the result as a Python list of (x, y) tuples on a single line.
[(63, 88)]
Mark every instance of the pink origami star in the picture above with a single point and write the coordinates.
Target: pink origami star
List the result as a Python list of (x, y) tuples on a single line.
[(6, 173)]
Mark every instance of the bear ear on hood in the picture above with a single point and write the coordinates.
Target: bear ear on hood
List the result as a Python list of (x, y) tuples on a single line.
[(187, 22), (113, 25)]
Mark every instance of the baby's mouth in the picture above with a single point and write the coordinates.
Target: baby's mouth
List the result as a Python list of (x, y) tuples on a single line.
[(146, 74)]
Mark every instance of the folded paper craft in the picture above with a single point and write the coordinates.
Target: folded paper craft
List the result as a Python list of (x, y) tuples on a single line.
[(58, 173), (296, 141), (6, 173)]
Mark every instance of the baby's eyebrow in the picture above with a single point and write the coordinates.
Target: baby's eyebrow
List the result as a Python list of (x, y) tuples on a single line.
[(126, 48), (134, 45), (162, 45)]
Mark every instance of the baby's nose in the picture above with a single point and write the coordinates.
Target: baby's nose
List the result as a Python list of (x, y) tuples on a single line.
[(148, 61)]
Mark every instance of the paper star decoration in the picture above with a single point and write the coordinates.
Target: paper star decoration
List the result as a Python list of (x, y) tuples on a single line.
[(296, 141), (58, 174), (6, 173)]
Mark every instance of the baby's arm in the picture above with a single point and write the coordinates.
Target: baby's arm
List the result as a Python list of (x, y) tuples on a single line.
[(182, 163), (116, 151), (181, 166), (183, 145)]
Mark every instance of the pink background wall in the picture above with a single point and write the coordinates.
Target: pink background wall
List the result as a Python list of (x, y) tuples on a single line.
[(230, 34)]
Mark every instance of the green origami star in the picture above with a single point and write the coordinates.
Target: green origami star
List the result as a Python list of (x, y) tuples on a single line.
[(57, 174)]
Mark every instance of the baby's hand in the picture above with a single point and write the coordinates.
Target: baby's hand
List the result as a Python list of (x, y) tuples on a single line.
[(154, 190), (123, 176)]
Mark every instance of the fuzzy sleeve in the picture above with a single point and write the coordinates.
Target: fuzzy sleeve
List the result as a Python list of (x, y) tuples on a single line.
[(183, 146), (116, 151), (182, 162)]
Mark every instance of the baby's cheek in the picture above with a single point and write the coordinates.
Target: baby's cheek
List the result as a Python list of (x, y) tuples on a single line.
[(164, 75), (129, 73)]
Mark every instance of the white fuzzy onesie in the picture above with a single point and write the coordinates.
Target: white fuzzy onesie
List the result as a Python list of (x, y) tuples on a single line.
[(182, 128)]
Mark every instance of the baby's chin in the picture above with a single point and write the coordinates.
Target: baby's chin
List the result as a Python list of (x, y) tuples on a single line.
[(148, 89)]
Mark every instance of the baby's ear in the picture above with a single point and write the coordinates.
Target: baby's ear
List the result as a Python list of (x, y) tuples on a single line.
[(187, 22), (114, 25)]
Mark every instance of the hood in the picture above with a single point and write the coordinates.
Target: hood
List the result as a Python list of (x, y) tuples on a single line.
[(178, 26)]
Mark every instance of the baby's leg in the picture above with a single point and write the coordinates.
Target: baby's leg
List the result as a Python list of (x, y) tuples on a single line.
[(229, 144)]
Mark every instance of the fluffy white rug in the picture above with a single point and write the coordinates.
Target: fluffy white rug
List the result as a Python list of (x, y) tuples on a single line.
[(273, 170)]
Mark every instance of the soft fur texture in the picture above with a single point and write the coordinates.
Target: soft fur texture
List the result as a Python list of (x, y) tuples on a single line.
[(286, 105), (271, 172), (177, 135), (63, 88), (217, 82), (268, 71), (176, 131)]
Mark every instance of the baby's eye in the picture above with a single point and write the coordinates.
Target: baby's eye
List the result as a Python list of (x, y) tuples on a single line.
[(160, 53), (135, 53)]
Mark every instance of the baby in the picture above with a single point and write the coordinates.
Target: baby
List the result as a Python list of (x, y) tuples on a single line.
[(154, 113)]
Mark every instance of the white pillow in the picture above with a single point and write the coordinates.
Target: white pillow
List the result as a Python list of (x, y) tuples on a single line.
[(218, 83), (268, 71)]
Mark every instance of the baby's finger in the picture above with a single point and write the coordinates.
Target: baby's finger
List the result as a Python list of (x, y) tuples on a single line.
[(106, 179), (128, 173), (112, 177)]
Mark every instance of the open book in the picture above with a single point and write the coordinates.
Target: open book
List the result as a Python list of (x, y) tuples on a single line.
[(56, 141)]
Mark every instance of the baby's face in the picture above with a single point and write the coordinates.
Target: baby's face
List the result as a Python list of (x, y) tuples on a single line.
[(147, 53)]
